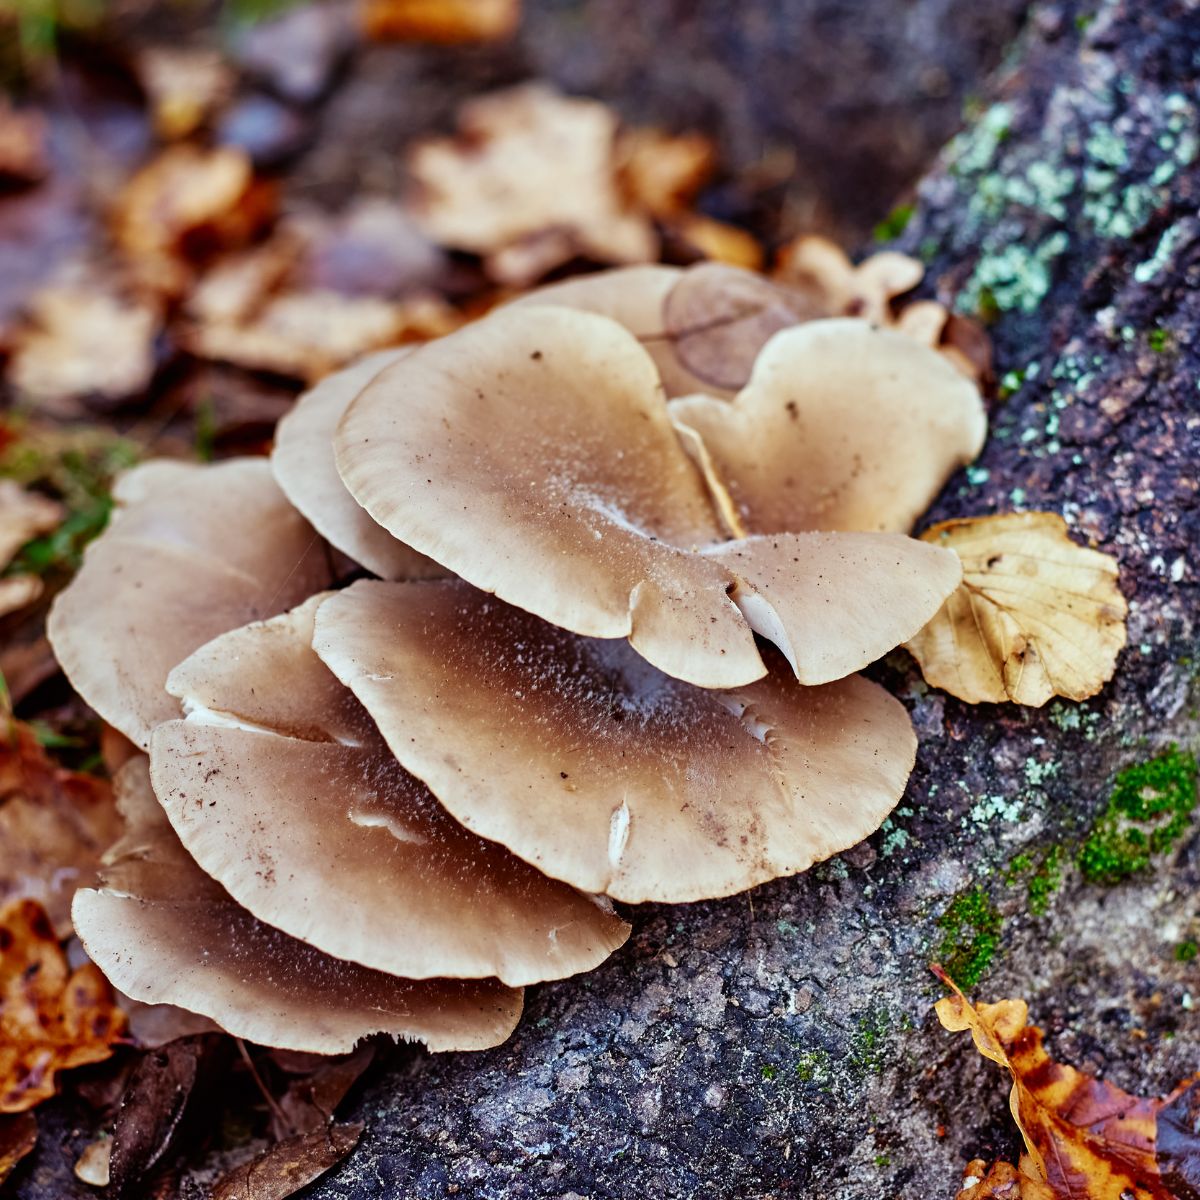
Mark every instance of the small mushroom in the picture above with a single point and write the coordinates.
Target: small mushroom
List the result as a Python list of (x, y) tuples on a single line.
[(281, 787), (532, 455), (191, 551), (165, 933), (842, 426), (600, 770), (304, 468)]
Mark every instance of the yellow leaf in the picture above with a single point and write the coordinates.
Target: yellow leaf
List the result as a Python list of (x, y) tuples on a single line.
[(1036, 615)]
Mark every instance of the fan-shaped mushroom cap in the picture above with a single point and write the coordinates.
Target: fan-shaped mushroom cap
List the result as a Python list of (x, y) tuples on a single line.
[(191, 551), (534, 457), (600, 770), (304, 468), (165, 933), (842, 426), (283, 790)]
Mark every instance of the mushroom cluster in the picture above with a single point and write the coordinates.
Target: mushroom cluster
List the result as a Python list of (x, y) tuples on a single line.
[(562, 608)]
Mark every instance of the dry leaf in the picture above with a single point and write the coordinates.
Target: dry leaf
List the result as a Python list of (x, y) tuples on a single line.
[(54, 826), (1178, 1150), (83, 343), (1036, 615), (663, 172), (51, 1018), (166, 1088), (184, 206), (18, 1136), (24, 516), (310, 1101), (718, 241), (23, 152), (184, 86), (287, 1166), (529, 183), (308, 334), (1087, 1139), (1003, 1181), (447, 22)]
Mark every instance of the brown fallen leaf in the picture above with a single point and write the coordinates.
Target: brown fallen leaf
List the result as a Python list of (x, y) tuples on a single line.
[(184, 85), (311, 1099), (51, 1018), (663, 172), (717, 241), (447, 22), (287, 1166), (1178, 1149), (24, 515), (18, 1136), (963, 341), (54, 826), (83, 343), (167, 1089), (24, 157), (183, 207), (1035, 616), (1003, 1181), (529, 183), (1086, 1138)]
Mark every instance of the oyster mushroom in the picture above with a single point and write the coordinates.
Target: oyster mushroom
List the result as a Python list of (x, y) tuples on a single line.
[(842, 427), (532, 455), (304, 468), (598, 769), (165, 933), (281, 787), (191, 551)]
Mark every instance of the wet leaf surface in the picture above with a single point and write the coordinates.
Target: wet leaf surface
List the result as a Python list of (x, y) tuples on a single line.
[(289, 1165), (18, 1136)]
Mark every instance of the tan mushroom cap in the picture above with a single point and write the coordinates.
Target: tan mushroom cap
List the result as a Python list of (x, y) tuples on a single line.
[(304, 468), (283, 790), (191, 551), (600, 770), (835, 602), (843, 426), (164, 933), (532, 454), (534, 457)]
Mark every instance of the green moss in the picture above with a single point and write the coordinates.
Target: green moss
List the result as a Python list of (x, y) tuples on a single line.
[(813, 1066), (971, 928), (768, 1072), (882, 1160), (1186, 952), (1046, 880), (1158, 340), (894, 224), (1148, 811), (867, 1051)]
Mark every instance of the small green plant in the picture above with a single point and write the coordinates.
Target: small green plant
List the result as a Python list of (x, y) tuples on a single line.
[(894, 224), (972, 925)]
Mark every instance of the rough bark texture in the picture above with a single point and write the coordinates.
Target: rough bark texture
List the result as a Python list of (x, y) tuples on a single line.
[(782, 1043)]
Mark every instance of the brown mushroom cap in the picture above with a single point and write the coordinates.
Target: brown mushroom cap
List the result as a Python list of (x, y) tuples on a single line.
[(842, 426), (600, 770), (532, 454), (283, 790), (304, 468), (584, 507), (165, 933), (191, 551)]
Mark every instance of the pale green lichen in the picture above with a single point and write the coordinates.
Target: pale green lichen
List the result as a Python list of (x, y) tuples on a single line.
[(1167, 244), (1015, 278)]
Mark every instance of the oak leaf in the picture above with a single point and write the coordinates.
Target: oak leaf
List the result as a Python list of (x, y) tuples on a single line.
[(1036, 614), (1086, 1138), (54, 826), (51, 1018)]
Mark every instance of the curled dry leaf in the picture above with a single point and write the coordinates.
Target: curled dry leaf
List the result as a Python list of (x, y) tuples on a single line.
[(83, 343), (51, 1018), (311, 1099), (529, 183), (184, 86), (54, 826), (289, 1165), (24, 515), (442, 21), (184, 206), (1003, 1181), (1036, 614), (1087, 1139), (18, 1136)]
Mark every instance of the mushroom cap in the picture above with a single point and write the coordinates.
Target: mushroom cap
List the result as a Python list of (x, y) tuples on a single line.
[(304, 468), (191, 551), (834, 602), (281, 787), (600, 770), (164, 933), (532, 454), (843, 426)]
